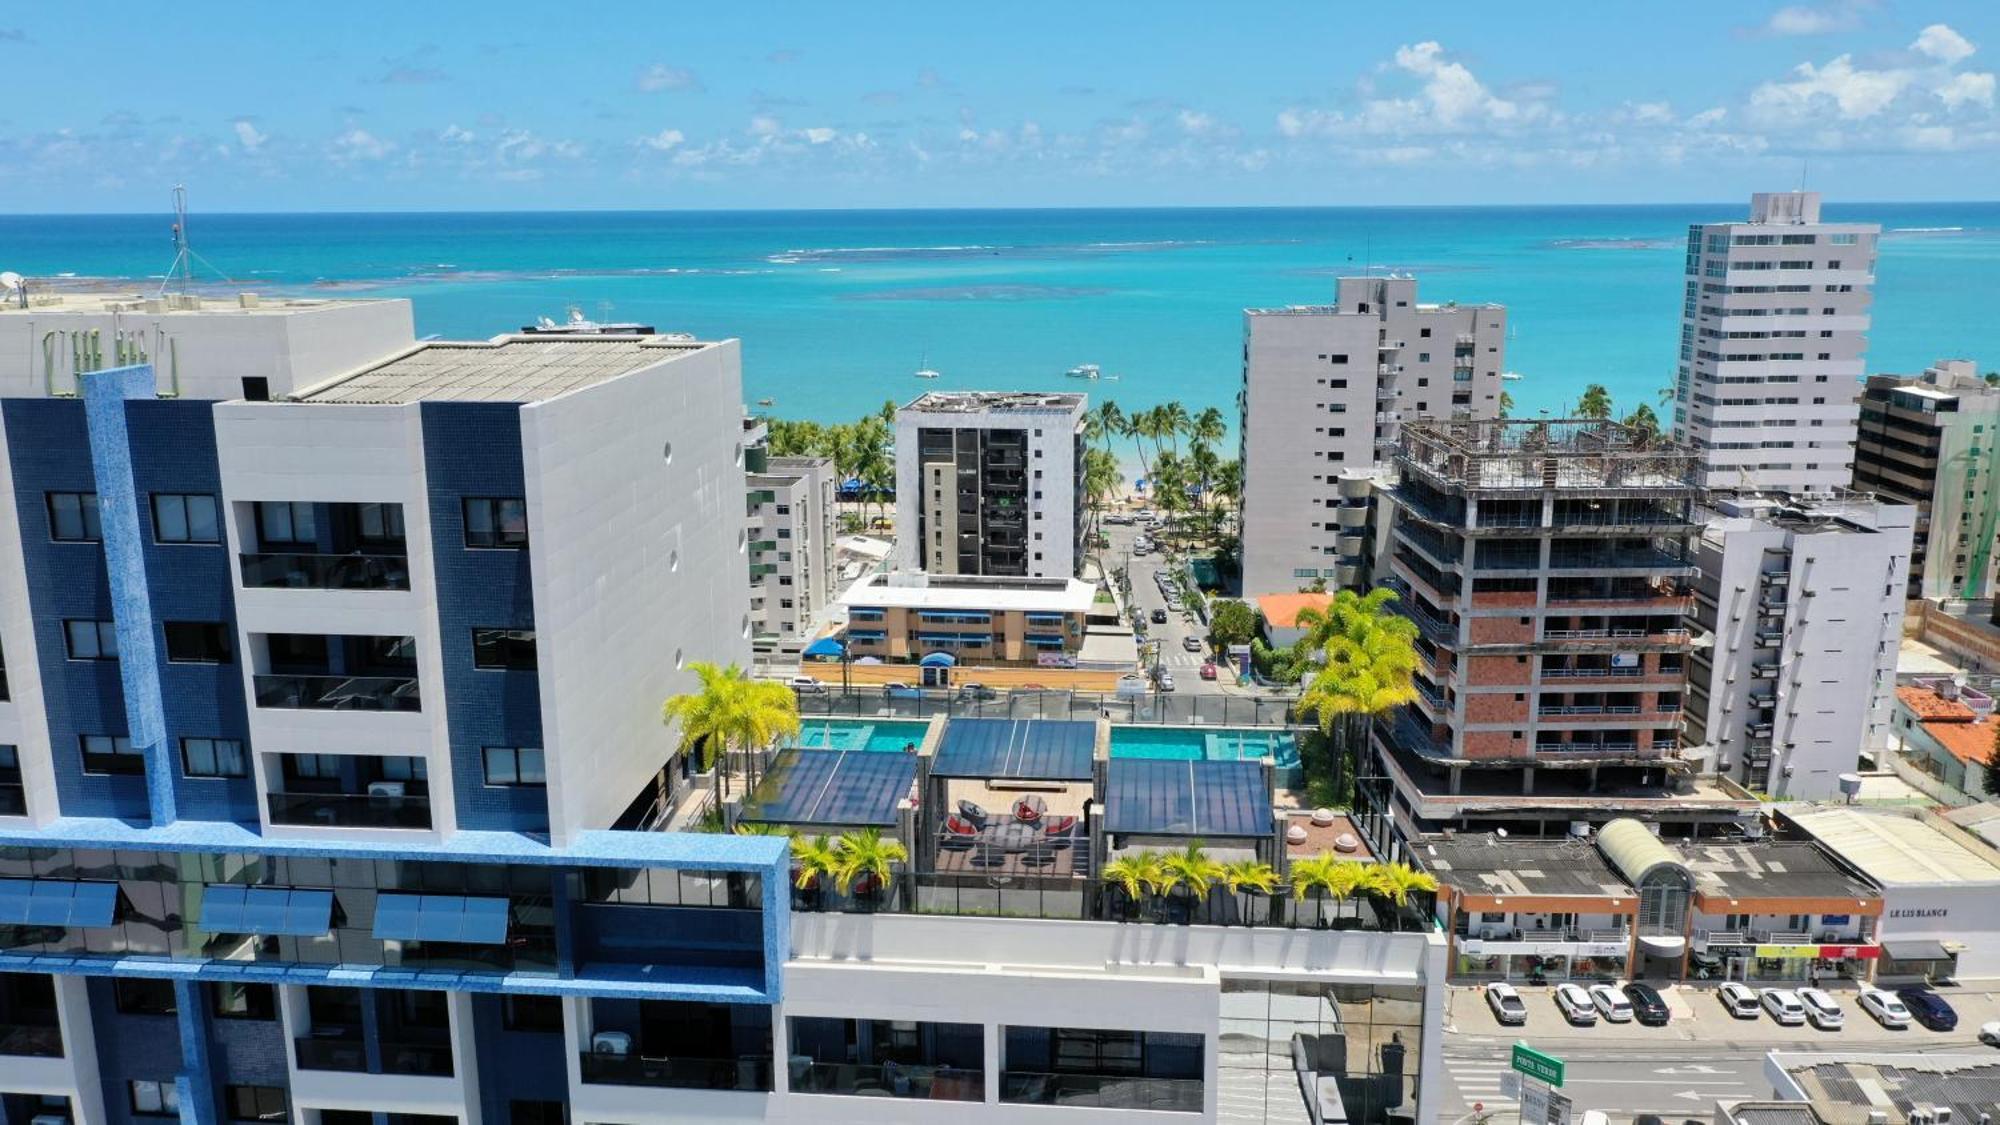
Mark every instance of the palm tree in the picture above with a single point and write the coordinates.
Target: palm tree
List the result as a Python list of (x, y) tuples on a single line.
[(1252, 874), (1644, 421), (812, 857), (1371, 663), (729, 707), (1135, 428), (1170, 481), (1104, 423), (1202, 467), (1506, 404), (1100, 482), (1193, 868), (887, 413), (1209, 426), (1395, 881), (1137, 874), (1595, 403), (867, 853), (1174, 422)]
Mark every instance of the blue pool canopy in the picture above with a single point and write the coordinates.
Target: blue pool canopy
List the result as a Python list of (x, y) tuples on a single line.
[(825, 646), (1165, 797), (847, 788), (231, 908), (56, 902), (459, 918), (1022, 749), (938, 660)]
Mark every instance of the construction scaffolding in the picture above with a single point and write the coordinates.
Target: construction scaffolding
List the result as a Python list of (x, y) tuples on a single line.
[(1570, 454)]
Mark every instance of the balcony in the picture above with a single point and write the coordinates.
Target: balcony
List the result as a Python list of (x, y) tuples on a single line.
[(894, 1080), (325, 572), (37, 1040), (1105, 1091), (750, 1074), (338, 693), (13, 799), (349, 810), (345, 1052)]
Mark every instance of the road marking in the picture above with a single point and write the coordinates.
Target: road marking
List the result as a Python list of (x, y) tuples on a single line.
[(1696, 1068), (1572, 1080)]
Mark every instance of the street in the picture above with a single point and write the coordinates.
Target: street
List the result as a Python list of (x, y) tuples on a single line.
[(1146, 597)]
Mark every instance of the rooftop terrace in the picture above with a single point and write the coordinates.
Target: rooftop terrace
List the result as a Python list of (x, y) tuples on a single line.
[(504, 369), (996, 402), (1583, 454)]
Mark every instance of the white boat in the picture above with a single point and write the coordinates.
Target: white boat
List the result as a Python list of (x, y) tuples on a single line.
[(924, 369), (577, 325), (1083, 371)]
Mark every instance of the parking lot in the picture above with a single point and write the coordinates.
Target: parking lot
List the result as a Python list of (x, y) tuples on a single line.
[(1696, 1013)]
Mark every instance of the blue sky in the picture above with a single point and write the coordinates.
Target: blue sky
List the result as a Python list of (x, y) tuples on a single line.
[(448, 105)]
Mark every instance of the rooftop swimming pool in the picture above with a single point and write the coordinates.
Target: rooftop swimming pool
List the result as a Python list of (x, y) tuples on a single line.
[(860, 734), (1194, 743)]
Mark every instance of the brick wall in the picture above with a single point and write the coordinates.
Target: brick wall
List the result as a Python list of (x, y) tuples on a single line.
[(1490, 670), (1481, 707), (1494, 744), (1502, 630)]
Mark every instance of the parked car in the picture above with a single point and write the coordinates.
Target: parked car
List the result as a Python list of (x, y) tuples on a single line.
[(1139, 549), (901, 691), (1704, 964), (1648, 1007), (1929, 1008), (1784, 1006), (1191, 643), (1885, 1007), (1822, 1009), (1159, 617), (1989, 1033), (1506, 1003), (1575, 1004), (1120, 519), (1166, 681), (1208, 669), (1740, 999), (806, 685), (1611, 1003), (970, 693)]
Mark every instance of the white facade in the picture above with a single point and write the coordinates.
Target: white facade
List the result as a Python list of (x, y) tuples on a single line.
[(1325, 388), (1804, 608), (987, 482), (1774, 323), (792, 540)]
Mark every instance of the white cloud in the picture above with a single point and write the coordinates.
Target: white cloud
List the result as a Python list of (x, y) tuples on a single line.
[(665, 140), (360, 144), (1943, 44), (248, 136), (764, 125), (1895, 95), (1970, 86), (1856, 93), (1195, 123), (1448, 99), (660, 76), (452, 134), (819, 135)]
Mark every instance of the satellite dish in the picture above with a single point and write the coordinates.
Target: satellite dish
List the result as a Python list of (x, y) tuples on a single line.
[(10, 281)]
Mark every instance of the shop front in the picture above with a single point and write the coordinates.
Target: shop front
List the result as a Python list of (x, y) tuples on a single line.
[(1540, 962), (1740, 958), (1909, 961)]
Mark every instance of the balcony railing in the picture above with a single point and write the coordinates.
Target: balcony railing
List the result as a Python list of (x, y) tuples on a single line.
[(326, 572), (36, 1041), (749, 1073), (1593, 673), (349, 810), (13, 799), (338, 693), (895, 1080), (1105, 1091), (349, 1054)]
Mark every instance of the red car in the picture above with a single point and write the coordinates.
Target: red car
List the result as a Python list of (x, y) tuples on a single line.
[(1208, 669)]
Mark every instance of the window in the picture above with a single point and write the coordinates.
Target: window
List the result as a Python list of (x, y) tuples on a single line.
[(532, 1013), (496, 522), (318, 766), (185, 518), (514, 765), (504, 648), (73, 517), (155, 1098), (537, 1113), (235, 1000), (91, 640), (111, 753), (280, 523), (141, 997), (380, 523), (196, 642), (256, 1103), (213, 757)]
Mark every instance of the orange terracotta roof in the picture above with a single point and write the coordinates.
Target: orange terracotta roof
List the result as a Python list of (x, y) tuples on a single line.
[(1971, 743), (1281, 611), (1930, 707)]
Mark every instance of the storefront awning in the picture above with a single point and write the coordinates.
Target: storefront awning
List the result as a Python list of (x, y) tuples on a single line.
[(1916, 951), (1662, 945)]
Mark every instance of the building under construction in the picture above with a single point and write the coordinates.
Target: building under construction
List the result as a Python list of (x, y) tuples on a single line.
[(1547, 567)]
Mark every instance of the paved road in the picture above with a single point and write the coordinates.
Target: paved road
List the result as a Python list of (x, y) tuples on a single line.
[(1184, 665)]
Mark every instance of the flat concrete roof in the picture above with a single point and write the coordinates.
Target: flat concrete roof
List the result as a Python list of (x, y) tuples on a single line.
[(995, 595), (999, 402), (43, 301), (1844, 1089), (1484, 865), (1895, 850), (1790, 869), (503, 369)]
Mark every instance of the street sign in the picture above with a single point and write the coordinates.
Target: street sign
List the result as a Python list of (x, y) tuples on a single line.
[(1558, 1109), (1534, 1103), (1535, 1064)]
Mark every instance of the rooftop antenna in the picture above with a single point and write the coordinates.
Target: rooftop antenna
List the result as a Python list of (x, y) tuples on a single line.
[(182, 271)]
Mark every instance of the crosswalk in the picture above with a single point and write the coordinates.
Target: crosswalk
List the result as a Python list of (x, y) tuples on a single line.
[(1475, 1081), (1178, 658)]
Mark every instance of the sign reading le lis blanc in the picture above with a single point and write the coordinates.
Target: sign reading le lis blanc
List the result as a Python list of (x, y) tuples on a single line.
[(1534, 1064)]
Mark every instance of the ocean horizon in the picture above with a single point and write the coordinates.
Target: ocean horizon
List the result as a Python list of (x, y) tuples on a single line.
[(837, 308)]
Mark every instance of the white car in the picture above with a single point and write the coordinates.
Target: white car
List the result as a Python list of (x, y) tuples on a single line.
[(806, 685), (1166, 681), (1506, 1003), (1989, 1033), (1822, 1009), (1575, 1004), (1611, 1003), (1740, 999), (1784, 1006), (1885, 1007)]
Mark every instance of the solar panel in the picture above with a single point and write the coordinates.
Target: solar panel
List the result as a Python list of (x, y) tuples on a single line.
[(1165, 797), (235, 909), (1021, 749), (56, 902), (832, 787), (455, 918)]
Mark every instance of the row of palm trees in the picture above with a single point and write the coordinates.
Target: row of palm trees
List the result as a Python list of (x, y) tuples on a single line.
[(1154, 875), (1214, 483), (860, 450), (728, 710), (847, 859), (1596, 403)]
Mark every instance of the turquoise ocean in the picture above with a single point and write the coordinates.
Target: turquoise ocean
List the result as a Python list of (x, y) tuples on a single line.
[(837, 309)]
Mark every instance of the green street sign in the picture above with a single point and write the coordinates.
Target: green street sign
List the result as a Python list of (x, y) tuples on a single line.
[(1535, 1064)]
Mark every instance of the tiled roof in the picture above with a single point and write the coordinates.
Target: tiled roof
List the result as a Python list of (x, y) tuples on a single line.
[(1928, 706), (1281, 611)]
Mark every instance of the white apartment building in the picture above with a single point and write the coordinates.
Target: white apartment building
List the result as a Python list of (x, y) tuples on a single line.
[(792, 539), (1802, 605), (1774, 323), (990, 483), (1325, 388)]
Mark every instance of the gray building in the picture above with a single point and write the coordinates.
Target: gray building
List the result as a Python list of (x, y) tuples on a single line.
[(790, 505), (1933, 440), (990, 482), (1774, 321), (1325, 389), (1802, 605)]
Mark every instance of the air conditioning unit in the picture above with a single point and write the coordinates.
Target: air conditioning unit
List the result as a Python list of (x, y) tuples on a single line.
[(385, 789), (1941, 1114), (615, 1043)]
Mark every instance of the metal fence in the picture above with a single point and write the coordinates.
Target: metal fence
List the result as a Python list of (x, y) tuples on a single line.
[(1163, 709)]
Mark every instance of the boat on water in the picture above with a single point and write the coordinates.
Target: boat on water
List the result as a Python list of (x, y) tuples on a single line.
[(578, 325), (1083, 371), (767, 402), (924, 368)]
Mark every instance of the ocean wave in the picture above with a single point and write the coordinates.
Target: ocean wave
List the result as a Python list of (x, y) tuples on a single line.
[(817, 254), (982, 293), (1610, 244), (1925, 232)]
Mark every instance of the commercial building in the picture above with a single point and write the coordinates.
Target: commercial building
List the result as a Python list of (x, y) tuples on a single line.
[(990, 483), (793, 536), (1938, 1086), (1325, 389), (1770, 911), (913, 616), (1774, 323), (1545, 565), (1933, 441), (1940, 887), (1801, 609)]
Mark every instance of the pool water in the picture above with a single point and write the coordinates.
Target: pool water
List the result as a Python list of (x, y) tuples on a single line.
[(859, 734), (1189, 744)]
